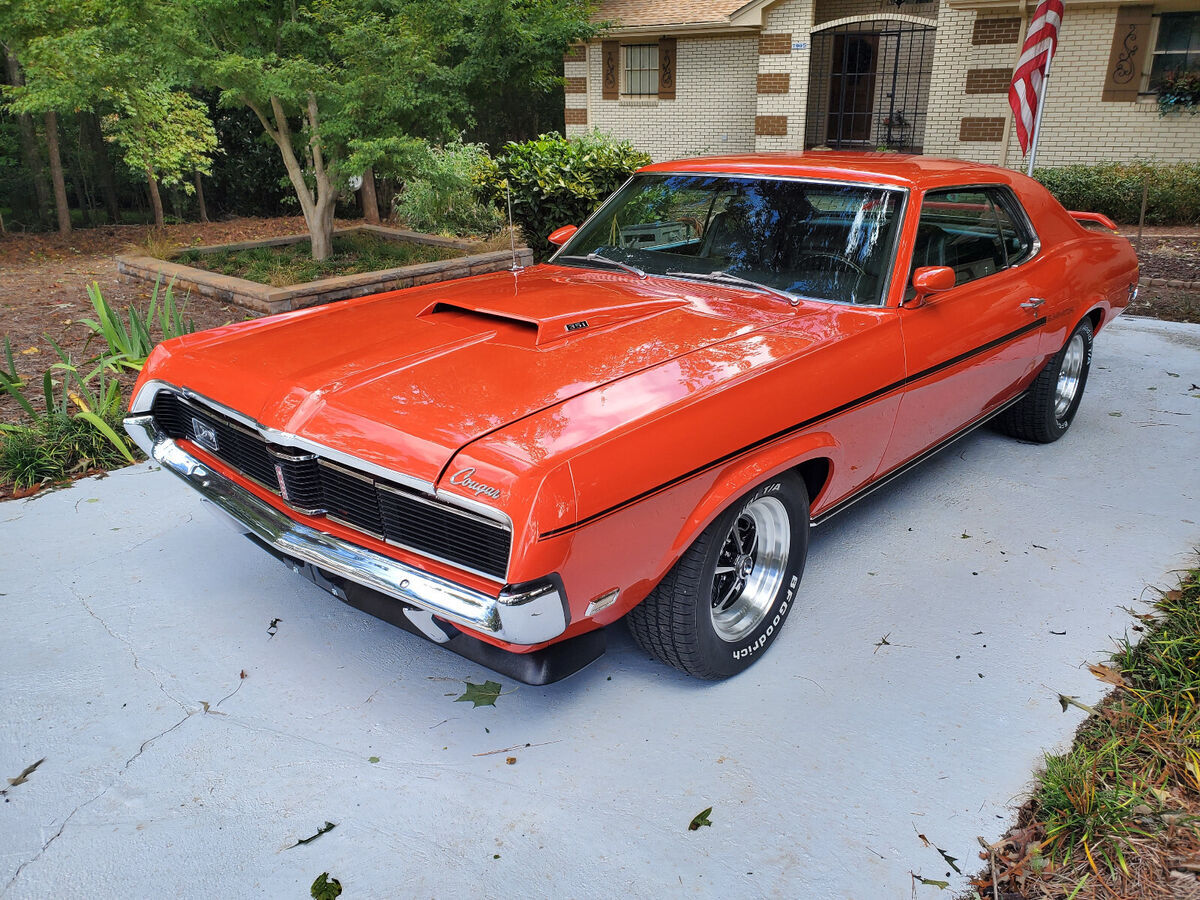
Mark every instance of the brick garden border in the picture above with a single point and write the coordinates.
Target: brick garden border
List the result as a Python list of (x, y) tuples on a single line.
[(263, 298)]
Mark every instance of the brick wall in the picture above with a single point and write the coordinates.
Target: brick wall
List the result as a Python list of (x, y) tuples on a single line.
[(713, 110), (774, 82), (995, 30), (1077, 125), (989, 81)]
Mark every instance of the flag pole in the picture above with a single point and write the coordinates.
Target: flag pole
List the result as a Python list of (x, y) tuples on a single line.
[(1037, 122)]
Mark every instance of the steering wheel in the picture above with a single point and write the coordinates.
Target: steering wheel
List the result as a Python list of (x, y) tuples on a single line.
[(841, 262), (835, 259)]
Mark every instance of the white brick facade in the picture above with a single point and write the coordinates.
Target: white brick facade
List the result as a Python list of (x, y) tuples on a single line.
[(718, 108), (713, 110), (1077, 126)]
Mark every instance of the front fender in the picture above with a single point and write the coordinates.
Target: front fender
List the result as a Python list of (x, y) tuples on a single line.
[(744, 475)]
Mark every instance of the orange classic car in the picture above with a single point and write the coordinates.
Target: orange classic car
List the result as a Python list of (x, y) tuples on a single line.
[(728, 352)]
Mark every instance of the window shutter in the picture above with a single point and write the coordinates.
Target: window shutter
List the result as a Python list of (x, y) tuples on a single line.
[(1127, 59), (666, 68), (610, 75)]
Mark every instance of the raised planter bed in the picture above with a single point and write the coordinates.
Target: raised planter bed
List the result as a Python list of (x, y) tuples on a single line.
[(264, 298)]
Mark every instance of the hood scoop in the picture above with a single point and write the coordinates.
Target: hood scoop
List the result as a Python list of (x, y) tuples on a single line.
[(524, 329), (511, 329)]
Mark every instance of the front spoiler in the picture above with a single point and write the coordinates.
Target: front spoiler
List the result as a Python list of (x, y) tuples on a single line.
[(522, 615)]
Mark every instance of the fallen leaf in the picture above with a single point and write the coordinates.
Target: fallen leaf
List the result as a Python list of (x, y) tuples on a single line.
[(243, 674), (964, 535), (324, 829), (700, 820), (932, 882), (325, 888), (950, 860), (29, 351), (25, 773), (1107, 675), (480, 694), (372, 759), (510, 760), (1060, 633), (1115, 415)]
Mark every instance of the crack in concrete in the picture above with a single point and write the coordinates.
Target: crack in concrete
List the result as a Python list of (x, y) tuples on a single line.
[(137, 663), (108, 787)]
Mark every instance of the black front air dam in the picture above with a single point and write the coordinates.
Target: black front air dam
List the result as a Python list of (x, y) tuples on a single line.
[(545, 666)]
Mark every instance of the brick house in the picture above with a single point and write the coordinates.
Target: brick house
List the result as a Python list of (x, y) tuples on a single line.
[(682, 77)]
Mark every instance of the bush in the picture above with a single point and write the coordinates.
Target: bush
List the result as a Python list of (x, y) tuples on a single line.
[(79, 430), (443, 193), (1115, 189), (558, 182), (56, 447)]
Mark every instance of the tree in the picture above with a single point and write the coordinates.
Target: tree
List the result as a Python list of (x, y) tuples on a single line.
[(165, 135)]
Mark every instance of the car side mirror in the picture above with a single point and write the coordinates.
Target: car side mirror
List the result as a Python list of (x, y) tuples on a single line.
[(930, 280), (560, 236)]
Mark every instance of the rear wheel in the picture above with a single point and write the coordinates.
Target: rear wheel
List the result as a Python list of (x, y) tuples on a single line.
[(725, 600), (1046, 411)]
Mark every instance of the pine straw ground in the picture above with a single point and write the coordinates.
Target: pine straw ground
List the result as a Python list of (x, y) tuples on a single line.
[(1118, 815)]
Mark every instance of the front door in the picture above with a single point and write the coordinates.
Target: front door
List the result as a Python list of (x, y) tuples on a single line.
[(974, 347), (852, 89)]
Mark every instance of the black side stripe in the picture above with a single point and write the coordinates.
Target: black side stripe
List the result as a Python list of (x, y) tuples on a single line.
[(799, 426)]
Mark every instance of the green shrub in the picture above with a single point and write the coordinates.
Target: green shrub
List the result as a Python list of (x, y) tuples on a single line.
[(80, 428), (1115, 189), (442, 195), (556, 181), (58, 446)]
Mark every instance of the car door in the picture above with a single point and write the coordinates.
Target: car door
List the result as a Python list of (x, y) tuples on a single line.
[(969, 349)]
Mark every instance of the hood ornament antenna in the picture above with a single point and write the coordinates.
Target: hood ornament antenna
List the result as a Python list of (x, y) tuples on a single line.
[(512, 234)]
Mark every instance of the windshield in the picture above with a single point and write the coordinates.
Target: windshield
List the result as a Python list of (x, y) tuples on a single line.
[(811, 239)]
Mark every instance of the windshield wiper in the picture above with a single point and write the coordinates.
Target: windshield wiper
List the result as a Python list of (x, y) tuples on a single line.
[(596, 257), (728, 278)]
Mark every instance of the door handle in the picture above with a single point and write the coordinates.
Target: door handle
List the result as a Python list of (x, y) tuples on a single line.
[(1032, 303)]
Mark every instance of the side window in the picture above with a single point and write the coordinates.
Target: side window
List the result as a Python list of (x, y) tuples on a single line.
[(1014, 227), (960, 229)]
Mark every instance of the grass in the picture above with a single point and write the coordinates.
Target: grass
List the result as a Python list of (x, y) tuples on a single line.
[(1119, 813), (293, 263)]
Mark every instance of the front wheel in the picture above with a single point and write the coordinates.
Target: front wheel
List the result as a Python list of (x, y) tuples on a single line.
[(1046, 411), (725, 600)]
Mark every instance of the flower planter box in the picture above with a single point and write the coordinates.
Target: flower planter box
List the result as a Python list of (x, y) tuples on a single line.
[(264, 298)]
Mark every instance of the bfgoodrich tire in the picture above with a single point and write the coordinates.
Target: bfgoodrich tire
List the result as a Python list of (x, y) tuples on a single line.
[(723, 603), (1048, 408)]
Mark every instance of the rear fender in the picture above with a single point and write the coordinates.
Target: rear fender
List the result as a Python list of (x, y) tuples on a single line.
[(743, 475)]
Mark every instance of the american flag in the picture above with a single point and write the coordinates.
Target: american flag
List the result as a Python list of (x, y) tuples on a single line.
[(1029, 79)]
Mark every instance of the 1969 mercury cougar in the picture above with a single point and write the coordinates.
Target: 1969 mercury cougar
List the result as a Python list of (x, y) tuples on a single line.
[(729, 351)]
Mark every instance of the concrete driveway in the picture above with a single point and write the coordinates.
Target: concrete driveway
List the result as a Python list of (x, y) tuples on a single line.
[(187, 750)]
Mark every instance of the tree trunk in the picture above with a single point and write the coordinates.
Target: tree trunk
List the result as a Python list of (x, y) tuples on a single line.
[(108, 184), (29, 145), (61, 207), (370, 201), (318, 205), (200, 198), (155, 199)]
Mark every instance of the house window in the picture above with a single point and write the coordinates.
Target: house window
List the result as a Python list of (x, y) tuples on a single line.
[(641, 70), (1177, 48)]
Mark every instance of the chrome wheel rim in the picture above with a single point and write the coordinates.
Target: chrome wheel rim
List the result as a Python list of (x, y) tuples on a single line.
[(750, 568), (1068, 377)]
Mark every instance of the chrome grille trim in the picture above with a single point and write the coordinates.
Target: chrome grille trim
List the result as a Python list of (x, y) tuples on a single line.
[(480, 544)]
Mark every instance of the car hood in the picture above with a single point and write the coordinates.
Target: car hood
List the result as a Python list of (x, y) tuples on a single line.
[(406, 379)]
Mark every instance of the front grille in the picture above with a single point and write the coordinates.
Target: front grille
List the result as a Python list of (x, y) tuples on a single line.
[(317, 486)]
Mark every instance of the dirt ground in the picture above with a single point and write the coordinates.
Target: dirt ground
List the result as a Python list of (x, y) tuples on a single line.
[(43, 279)]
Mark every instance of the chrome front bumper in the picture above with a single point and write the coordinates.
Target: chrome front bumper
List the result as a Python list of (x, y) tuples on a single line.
[(526, 616)]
